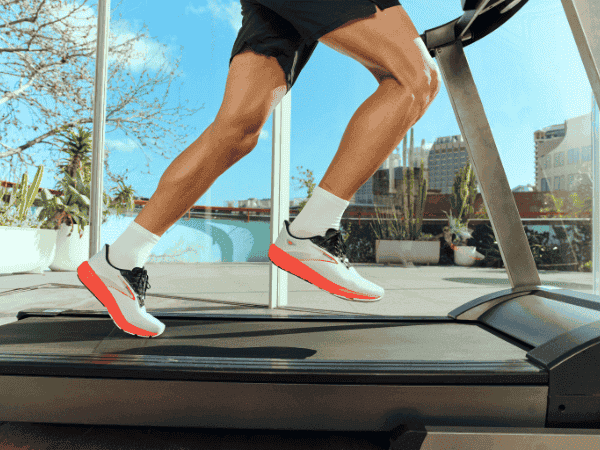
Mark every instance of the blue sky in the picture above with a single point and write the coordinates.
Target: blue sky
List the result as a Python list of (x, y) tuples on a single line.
[(528, 73)]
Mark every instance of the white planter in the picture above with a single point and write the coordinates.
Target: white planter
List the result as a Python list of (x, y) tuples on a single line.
[(466, 256), (26, 249), (418, 252), (71, 251)]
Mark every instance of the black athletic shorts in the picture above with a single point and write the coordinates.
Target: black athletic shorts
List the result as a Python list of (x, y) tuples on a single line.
[(289, 30)]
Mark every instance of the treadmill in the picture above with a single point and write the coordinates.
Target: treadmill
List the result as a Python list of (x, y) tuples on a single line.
[(519, 368)]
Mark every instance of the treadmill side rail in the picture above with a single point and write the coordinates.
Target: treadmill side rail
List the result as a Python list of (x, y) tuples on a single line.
[(475, 309), (484, 156), (563, 327), (416, 437)]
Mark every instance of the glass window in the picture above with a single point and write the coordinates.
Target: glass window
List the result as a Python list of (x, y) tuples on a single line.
[(230, 222)]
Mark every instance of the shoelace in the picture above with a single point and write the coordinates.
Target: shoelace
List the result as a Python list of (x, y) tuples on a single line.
[(138, 279), (336, 246)]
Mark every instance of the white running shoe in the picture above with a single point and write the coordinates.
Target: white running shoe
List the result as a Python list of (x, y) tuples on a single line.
[(122, 292), (322, 261)]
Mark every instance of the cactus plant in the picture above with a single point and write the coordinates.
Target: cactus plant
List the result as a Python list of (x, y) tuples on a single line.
[(464, 193), (72, 207), (411, 197), (21, 198), (413, 194)]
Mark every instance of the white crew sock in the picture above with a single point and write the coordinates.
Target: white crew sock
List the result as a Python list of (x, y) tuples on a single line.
[(322, 212), (132, 248)]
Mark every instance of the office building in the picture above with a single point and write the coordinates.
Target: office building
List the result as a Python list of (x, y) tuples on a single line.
[(563, 155)]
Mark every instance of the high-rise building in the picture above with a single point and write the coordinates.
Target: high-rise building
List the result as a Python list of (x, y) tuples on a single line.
[(563, 161), (563, 155), (385, 179), (441, 162), (446, 158)]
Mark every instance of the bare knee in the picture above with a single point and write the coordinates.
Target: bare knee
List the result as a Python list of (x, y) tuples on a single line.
[(236, 137), (421, 93), (429, 86), (434, 84), (243, 127), (422, 80), (424, 92), (246, 141)]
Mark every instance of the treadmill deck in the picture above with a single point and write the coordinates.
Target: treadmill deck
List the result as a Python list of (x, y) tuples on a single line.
[(315, 373)]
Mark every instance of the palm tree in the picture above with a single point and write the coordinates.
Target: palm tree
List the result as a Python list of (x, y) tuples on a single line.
[(79, 148)]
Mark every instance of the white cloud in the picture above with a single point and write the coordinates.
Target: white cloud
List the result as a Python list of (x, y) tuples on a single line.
[(189, 9), (148, 54), (230, 12), (125, 145)]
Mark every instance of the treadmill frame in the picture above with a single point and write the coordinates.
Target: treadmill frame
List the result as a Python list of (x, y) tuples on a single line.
[(566, 323)]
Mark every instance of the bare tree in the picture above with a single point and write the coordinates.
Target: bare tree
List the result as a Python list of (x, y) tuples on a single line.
[(47, 65)]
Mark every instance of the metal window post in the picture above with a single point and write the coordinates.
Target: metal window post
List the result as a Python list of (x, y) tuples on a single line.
[(280, 194), (583, 17), (99, 122), (595, 198)]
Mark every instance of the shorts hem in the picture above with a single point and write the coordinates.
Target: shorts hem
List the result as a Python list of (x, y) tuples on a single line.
[(387, 3), (265, 52), (253, 47)]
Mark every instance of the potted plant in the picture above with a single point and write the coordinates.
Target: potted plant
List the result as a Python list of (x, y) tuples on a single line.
[(45, 238), (401, 239), (26, 246), (464, 255), (463, 197), (73, 206)]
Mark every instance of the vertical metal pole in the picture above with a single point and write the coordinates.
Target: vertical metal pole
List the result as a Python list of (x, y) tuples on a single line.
[(595, 198), (280, 194), (584, 19), (498, 198), (99, 122)]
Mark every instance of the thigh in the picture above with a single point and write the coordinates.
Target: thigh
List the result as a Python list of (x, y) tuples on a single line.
[(388, 43), (267, 33), (255, 85), (314, 19)]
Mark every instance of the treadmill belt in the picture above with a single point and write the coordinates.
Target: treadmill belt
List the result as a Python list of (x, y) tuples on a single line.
[(386, 341)]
